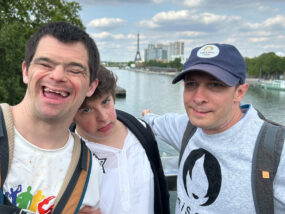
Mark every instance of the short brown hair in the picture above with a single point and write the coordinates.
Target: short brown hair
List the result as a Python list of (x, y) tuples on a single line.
[(67, 33), (107, 84)]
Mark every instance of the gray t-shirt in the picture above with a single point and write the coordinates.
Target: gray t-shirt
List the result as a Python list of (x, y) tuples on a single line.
[(215, 170)]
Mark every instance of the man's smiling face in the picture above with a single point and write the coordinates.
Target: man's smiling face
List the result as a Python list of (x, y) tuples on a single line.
[(57, 79), (209, 103)]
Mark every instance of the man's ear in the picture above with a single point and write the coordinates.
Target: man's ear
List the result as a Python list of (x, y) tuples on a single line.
[(25, 72), (240, 92), (92, 88)]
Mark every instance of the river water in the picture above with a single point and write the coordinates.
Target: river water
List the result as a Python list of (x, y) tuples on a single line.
[(155, 92)]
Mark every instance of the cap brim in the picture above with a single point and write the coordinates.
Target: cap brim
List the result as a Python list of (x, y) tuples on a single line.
[(224, 76)]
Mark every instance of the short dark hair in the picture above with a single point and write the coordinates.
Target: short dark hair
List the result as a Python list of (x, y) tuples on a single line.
[(107, 84), (67, 33)]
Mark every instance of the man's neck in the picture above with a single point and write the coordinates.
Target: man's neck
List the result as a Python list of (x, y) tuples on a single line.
[(237, 115), (43, 134)]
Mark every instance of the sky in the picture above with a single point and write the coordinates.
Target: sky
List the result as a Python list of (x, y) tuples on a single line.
[(253, 26)]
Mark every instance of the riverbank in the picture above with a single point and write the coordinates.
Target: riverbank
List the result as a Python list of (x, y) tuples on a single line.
[(251, 81), (153, 72)]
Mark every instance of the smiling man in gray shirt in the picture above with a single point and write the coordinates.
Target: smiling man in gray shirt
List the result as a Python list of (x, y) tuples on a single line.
[(215, 172)]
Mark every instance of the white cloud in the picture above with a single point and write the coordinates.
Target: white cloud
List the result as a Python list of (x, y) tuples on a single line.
[(263, 33), (102, 35), (190, 33), (252, 26), (148, 24), (107, 23), (170, 15), (231, 40), (124, 37), (158, 1), (208, 18), (266, 27), (280, 53), (108, 2), (262, 8), (193, 3), (281, 36), (260, 5), (109, 36), (277, 20), (258, 39), (164, 17), (270, 46), (184, 20)]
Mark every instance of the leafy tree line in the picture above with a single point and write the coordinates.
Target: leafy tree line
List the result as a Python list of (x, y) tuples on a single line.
[(19, 19), (176, 63), (266, 66)]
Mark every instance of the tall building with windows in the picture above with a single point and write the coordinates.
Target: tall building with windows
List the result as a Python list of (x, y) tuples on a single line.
[(165, 53), (176, 50), (158, 52)]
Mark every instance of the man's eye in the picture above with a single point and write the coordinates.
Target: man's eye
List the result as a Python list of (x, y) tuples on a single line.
[(45, 65), (189, 84), (106, 101), (75, 71), (86, 110), (216, 85)]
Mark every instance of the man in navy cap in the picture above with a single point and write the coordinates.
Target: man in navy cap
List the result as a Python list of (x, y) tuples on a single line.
[(215, 170)]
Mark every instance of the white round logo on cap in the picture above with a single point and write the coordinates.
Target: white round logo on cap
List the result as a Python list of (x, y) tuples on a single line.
[(208, 51)]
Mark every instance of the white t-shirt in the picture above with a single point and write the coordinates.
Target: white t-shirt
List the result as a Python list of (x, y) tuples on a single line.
[(36, 176), (127, 182)]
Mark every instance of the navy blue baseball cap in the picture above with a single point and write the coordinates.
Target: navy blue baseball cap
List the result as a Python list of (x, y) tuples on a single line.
[(222, 61)]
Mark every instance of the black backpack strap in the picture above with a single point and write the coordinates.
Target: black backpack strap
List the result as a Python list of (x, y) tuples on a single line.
[(4, 148), (139, 130), (12, 210), (266, 157), (72, 127), (188, 133), (71, 200), (148, 142)]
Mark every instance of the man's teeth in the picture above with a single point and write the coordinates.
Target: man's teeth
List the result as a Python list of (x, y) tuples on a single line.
[(62, 93)]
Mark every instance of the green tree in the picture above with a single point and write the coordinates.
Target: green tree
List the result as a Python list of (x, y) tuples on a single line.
[(130, 62), (19, 19), (266, 66), (156, 63), (176, 63), (270, 65), (253, 67)]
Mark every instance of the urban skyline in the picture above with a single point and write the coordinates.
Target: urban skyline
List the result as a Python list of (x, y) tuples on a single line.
[(253, 26), (165, 52)]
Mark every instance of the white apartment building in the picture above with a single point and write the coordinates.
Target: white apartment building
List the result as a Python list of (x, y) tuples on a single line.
[(176, 50)]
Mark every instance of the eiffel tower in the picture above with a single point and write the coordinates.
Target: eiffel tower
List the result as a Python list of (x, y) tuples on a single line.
[(138, 55)]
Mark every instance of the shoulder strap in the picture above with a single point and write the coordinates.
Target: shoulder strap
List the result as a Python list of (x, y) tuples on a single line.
[(140, 131), (6, 155), (6, 140), (266, 157), (188, 133), (72, 127), (146, 137), (74, 186)]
